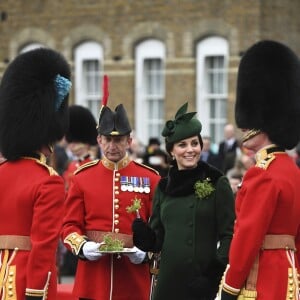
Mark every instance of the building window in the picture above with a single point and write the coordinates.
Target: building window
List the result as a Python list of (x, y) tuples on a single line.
[(212, 86), (31, 46), (150, 90), (88, 76), (153, 91), (91, 83)]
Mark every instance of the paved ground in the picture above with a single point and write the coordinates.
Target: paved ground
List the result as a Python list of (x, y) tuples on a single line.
[(67, 279)]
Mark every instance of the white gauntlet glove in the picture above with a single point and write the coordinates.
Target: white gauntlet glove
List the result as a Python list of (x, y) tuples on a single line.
[(136, 257), (91, 251)]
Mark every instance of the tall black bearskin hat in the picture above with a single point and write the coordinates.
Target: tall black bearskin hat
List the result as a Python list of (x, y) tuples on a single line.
[(112, 123), (82, 126), (33, 102), (268, 93)]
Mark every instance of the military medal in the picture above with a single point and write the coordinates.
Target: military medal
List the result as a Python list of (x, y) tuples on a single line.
[(130, 185), (141, 189), (135, 181), (124, 183), (146, 182)]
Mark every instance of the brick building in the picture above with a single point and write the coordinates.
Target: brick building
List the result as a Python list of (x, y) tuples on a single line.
[(158, 54)]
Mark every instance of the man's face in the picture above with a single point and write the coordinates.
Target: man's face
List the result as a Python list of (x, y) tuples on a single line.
[(79, 149), (206, 144), (114, 147), (257, 141)]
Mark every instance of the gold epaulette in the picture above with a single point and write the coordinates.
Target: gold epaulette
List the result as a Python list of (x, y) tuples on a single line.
[(87, 165), (265, 156), (51, 171), (146, 167), (265, 162), (42, 161)]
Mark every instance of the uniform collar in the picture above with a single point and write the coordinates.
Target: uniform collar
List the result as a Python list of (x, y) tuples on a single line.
[(36, 156), (83, 158), (116, 165), (263, 153)]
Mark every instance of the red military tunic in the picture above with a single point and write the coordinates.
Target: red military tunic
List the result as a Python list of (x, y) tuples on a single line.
[(72, 167), (32, 196), (96, 201), (268, 203)]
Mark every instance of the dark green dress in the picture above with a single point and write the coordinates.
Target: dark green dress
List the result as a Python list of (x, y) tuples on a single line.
[(192, 234)]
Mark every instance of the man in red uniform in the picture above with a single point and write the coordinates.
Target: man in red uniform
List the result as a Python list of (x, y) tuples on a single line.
[(96, 205), (81, 136), (264, 253), (33, 116)]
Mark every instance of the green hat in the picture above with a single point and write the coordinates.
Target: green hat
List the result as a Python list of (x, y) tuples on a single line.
[(184, 126)]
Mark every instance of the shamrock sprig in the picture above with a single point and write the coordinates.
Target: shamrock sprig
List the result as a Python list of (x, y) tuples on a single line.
[(111, 243), (203, 188), (135, 206)]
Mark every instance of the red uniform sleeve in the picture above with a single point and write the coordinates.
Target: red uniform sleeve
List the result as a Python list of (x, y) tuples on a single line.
[(46, 225), (73, 221)]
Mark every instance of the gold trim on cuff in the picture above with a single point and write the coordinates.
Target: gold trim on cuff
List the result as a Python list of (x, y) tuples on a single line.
[(39, 293), (75, 241), (230, 290)]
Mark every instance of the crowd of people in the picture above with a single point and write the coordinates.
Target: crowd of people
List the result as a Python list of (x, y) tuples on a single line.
[(194, 223)]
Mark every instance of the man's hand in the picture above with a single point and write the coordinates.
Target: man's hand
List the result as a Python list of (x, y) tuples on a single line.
[(91, 251), (136, 257)]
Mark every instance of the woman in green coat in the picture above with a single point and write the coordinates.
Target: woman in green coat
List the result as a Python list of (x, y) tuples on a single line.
[(192, 219)]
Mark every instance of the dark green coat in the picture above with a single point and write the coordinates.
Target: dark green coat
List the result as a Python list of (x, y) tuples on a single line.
[(193, 234)]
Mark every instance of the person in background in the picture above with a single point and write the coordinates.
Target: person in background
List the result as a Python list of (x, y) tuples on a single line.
[(207, 154), (235, 180), (264, 253), (192, 219), (228, 148), (153, 144), (156, 158), (243, 162), (136, 148), (59, 159), (96, 206), (33, 117), (159, 160), (81, 136)]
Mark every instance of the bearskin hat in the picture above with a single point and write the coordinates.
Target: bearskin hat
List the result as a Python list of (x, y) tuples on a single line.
[(82, 126), (268, 92), (33, 102)]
